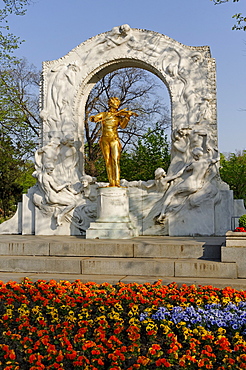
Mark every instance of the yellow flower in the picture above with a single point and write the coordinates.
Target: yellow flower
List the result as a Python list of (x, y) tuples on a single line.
[(180, 324), (134, 321), (36, 309), (214, 299), (237, 299), (165, 329), (118, 306), (221, 331), (134, 308), (9, 312)]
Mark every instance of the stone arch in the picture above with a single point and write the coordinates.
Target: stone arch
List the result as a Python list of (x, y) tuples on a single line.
[(188, 73)]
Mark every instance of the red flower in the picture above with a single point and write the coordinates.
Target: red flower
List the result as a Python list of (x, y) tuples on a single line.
[(240, 229), (163, 362)]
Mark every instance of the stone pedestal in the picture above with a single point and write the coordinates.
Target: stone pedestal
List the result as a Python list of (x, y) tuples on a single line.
[(235, 251), (113, 220)]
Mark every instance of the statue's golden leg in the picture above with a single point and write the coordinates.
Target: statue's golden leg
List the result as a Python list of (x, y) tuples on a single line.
[(105, 147), (115, 159)]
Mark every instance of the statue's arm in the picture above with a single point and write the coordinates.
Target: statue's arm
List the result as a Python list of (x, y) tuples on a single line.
[(125, 116), (124, 121), (98, 117), (56, 187)]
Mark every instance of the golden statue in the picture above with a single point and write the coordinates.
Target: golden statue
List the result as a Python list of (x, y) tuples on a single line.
[(109, 141)]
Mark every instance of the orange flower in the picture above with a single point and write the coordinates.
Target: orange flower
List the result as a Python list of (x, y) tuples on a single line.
[(143, 360), (163, 362)]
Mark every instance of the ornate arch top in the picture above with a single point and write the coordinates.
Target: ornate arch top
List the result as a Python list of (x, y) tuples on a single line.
[(187, 71)]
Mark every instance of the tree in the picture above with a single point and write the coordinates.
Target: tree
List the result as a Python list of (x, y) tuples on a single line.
[(233, 172), (10, 189), (9, 42), (19, 107), (241, 20), (137, 91), (19, 129), (18, 113), (151, 152)]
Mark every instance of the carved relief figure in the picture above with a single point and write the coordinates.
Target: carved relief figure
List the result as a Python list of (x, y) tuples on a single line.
[(47, 154), (86, 207), (205, 113), (116, 37), (180, 149), (58, 110), (158, 184), (188, 180), (55, 194), (109, 141), (65, 77), (68, 158)]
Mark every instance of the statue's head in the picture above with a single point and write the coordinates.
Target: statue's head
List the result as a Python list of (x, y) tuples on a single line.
[(49, 167), (197, 153), (68, 139), (85, 180), (124, 29), (114, 102), (159, 173)]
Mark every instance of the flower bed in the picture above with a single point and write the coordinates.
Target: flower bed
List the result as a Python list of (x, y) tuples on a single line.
[(62, 325)]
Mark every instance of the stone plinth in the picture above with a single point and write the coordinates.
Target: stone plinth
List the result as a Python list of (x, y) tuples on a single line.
[(235, 239), (113, 220), (235, 251)]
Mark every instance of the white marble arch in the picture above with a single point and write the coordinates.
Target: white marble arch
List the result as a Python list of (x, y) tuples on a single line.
[(187, 71)]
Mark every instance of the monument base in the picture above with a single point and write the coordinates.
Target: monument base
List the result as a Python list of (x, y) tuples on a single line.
[(111, 230), (113, 220)]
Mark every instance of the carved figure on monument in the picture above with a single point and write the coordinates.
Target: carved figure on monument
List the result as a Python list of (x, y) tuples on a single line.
[(57, 112), (87, 187), (67, 159), (204, 114), (158, 184), (109, 141), (86, 207), (47, 154), (116, 37), (55, 194), (64, 78), (180, 149), (188, 180)]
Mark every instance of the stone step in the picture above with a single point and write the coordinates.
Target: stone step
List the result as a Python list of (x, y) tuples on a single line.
[(87, 248), (160, 267)]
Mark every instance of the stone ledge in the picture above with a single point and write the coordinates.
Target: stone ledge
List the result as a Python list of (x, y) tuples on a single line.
[(235, 239)]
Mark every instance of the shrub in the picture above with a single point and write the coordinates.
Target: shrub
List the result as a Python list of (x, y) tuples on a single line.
[(242, 221)]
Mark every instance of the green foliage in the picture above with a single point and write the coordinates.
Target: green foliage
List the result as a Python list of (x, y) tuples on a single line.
[(10, 170), (241, 20), (242, 221), (19, 106), (233, 172), (9, 42), (151, 152)]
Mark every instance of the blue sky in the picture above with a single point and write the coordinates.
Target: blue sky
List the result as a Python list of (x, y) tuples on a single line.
[(51, 28)]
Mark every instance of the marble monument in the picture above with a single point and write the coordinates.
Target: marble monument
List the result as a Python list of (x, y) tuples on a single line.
[(190, 199)]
